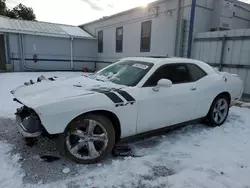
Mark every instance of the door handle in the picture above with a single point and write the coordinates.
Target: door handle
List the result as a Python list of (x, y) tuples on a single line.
[(193, 88)]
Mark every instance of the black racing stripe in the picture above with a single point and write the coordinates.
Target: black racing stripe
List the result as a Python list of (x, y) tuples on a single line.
[(125, 95), (112, 96), (99, 90)]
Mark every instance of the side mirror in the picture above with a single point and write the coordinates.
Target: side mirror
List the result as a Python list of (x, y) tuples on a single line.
[(163, 83)]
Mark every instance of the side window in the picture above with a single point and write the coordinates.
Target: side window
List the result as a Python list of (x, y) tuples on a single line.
[(196, 72), (177, 73), (152, 81)]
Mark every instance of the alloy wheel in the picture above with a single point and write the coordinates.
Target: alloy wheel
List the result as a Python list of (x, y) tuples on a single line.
[(88, 140), (220, 111)]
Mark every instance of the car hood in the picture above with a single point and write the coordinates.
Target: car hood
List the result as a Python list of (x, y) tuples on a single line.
[(47, 92)]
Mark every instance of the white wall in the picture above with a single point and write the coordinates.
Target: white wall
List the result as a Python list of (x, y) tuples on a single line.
[(185, 27), (236, 52), (239, 23), (236, 16), (187, 9), (53, 53), (162, 33), (208, 14), (215, 18), (202, 21), (203, 15), (212, 13), (84, 50), (241, 19), (14, 51)]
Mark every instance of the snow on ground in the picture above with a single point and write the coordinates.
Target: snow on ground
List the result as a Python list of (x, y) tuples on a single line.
[(9, 168), (194, 156)]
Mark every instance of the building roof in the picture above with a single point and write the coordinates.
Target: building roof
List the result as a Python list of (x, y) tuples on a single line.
[(41, 28), (149, 4), (121, 13)]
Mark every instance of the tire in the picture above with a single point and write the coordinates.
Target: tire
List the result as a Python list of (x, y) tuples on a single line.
[(218, 112), (88, 139)]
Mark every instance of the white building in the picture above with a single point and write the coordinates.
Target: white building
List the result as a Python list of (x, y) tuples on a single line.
[(165, 27), (38, 46)]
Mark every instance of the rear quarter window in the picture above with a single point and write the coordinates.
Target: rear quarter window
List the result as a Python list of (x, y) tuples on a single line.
[(196, 72)]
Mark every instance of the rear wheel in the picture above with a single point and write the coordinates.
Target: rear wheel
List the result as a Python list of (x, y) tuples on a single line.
[(88, 139), (219, 111)]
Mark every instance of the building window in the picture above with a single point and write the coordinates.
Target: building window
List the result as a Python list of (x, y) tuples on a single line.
[(100, 41), (119, 39), (145, 36)]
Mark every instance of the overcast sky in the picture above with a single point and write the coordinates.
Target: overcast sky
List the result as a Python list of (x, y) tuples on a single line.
[(76, 12)]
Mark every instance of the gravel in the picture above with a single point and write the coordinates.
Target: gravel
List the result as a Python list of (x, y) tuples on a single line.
[(34, 167)]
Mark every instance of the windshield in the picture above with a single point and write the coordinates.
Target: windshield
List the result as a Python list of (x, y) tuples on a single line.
[(124, 72)]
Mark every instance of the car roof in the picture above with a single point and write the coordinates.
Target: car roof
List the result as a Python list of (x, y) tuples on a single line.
[(170, 60), (162, 60)]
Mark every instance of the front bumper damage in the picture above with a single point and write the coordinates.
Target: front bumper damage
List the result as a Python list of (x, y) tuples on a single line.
[(29, 123)]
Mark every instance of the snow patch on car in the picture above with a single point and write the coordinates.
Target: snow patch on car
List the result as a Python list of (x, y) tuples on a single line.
[(9, 81)]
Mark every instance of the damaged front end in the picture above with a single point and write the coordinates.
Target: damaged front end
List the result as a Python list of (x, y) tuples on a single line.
[(29, 123)]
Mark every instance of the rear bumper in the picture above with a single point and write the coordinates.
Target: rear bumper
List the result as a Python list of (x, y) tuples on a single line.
[(235, 100), (28, 123)]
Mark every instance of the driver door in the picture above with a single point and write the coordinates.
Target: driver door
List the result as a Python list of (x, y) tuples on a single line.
[(168, 106)]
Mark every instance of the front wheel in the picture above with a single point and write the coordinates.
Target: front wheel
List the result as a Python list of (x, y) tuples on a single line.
[(88, 139), (219, 111)]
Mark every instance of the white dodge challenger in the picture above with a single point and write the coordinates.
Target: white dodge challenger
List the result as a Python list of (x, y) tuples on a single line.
[(132, 96)]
